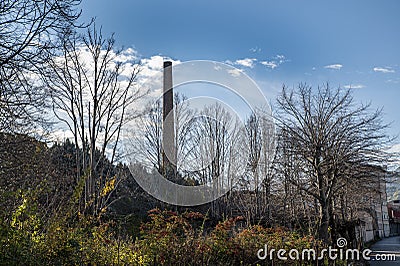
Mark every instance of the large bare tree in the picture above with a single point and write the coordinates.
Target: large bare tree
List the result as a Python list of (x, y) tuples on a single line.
[(330, 141), (93, 89)]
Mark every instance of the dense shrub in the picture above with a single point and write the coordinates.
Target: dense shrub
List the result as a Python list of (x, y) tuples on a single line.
[(171, 239), (167, 238), (84, 240)]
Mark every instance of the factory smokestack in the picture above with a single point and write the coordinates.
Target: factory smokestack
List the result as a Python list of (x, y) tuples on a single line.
[(169, 152)]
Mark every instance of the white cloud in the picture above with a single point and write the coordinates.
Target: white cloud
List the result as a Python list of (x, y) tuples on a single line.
[(127, 55), (275, 61), (217, 67), (60, 134), (354, 86), (150, 78), (270, 64), (151, 68), (384, 69), (395, 148), (334, 66), (246, 62), (280, 58), (235, 72)]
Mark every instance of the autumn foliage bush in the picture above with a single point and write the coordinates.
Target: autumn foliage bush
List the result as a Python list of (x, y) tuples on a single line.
[(167, 238), (172, 239)]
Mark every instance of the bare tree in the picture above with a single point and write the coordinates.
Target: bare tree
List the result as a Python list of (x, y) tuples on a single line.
[(212, 136), (210, 145), (28, 36), (331, 140), (93, 91), (256, 182), (218, 152), (261, 133), (149, 144), (294, 207)]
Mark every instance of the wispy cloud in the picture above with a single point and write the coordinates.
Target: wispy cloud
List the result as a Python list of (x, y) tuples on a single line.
[(395, 80), (217, 67), (334, 66), (384, 69), (275, 61), (246, 62), (255, 50), (270, 64), (281, 58), (354, 86), (235, 72)]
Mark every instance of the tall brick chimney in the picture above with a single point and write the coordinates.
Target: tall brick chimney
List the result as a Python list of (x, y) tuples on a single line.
[(169, 162)]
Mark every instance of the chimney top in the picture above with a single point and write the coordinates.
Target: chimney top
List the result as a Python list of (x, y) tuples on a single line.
[(167, 64)]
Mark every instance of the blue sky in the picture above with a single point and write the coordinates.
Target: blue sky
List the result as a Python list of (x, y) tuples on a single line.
[(346, 43)]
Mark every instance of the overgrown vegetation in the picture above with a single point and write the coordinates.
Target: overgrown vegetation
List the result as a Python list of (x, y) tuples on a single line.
[(167, 238)]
